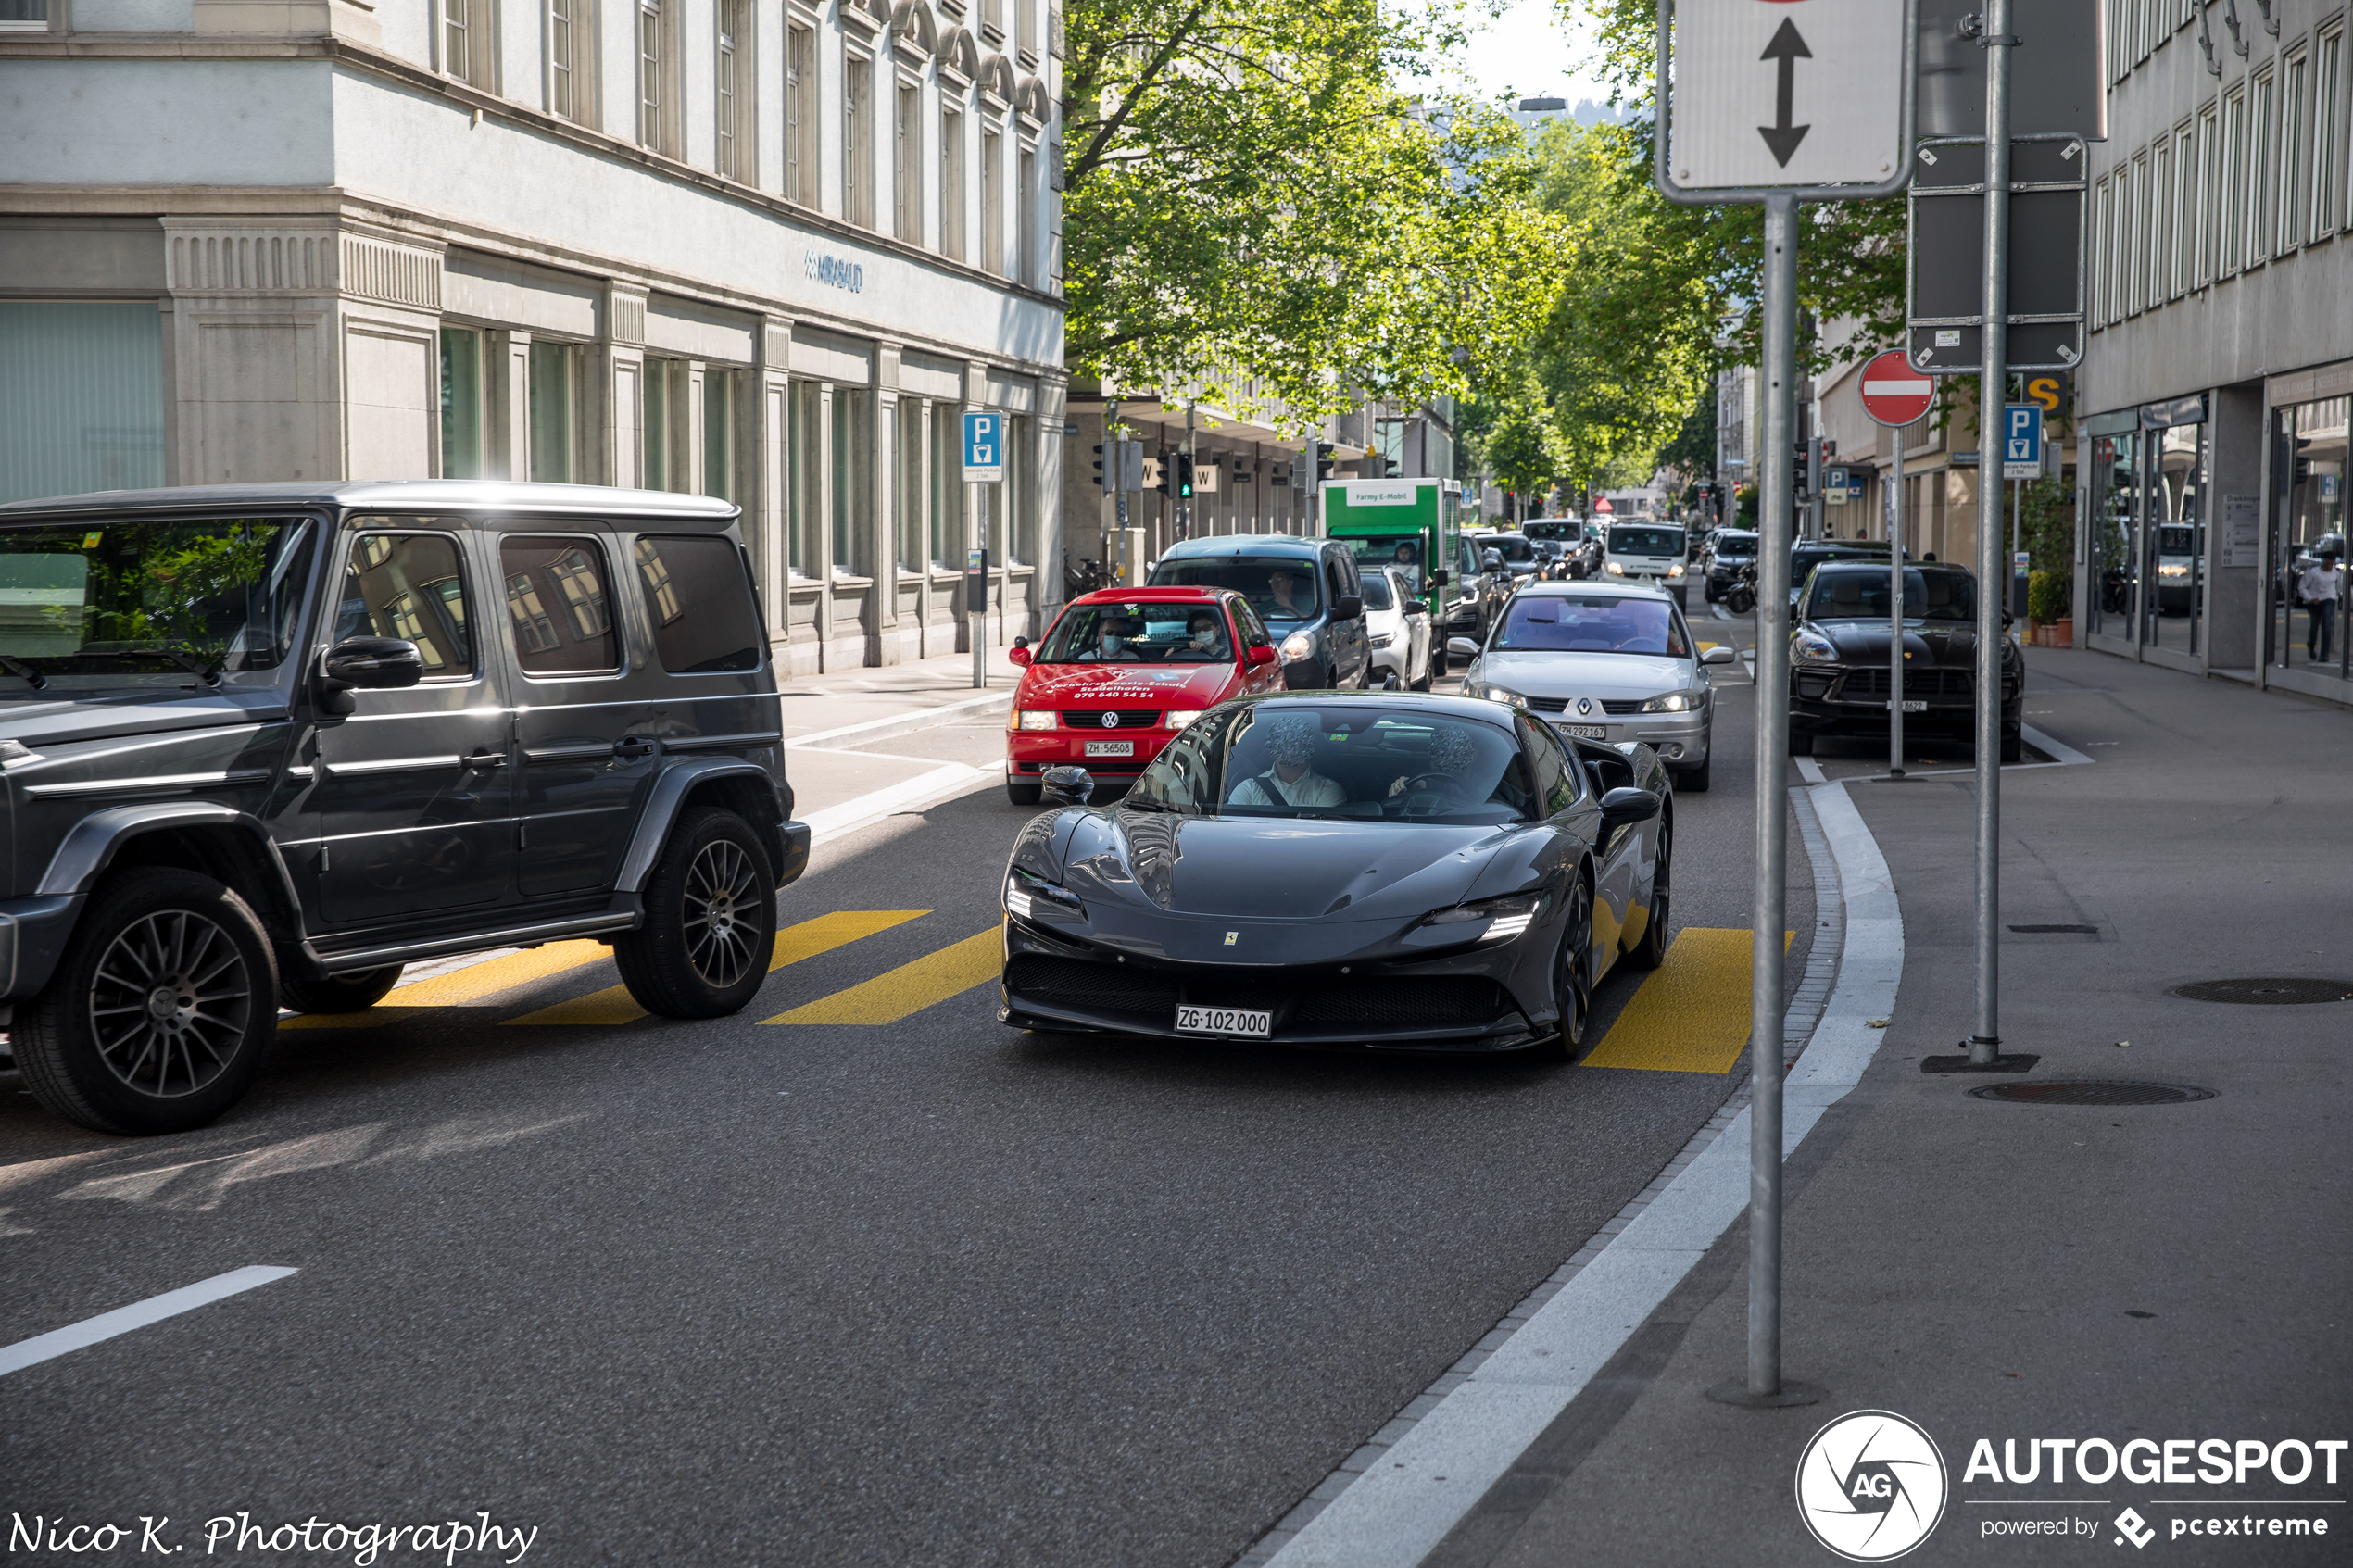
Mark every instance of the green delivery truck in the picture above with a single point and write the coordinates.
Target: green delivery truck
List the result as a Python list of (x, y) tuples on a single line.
[(1412, 523)]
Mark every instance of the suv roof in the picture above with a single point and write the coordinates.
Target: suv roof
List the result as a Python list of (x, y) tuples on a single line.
[(1244, 544), (433, 495)]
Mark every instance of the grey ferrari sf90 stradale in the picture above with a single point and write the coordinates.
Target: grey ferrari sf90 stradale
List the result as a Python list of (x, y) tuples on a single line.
[(1434, 872)]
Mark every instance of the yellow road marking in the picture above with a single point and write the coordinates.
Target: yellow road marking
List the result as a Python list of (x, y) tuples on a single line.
[(806, 940), (1691, 1014), (910, 987), (460, 986)]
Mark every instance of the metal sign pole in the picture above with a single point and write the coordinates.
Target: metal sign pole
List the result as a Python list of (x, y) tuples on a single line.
[(1115, 443), (1896, 617), (1985, 1037), (1775, 517)]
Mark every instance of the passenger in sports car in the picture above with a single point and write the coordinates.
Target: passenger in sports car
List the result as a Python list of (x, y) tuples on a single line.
[(1290, 782)]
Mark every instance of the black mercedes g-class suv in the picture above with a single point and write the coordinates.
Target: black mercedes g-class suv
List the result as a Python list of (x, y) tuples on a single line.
[(264, 744)]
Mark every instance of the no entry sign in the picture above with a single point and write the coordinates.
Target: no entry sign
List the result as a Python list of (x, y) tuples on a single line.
[(1893, 393)]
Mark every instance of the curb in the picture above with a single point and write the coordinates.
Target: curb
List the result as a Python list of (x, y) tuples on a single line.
[(896, 724)]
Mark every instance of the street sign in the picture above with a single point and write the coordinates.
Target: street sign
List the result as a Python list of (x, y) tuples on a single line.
[(1838, 486), (2055, 69), (983, 448), (1893, 393), (1946, 256), (1786, 95), (2022, 441)]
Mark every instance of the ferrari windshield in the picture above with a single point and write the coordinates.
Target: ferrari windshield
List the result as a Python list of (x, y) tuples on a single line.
[(1929, 594), (150, 601), (1279, 587), (1144, 632), (1374, 764), (1589, 623)]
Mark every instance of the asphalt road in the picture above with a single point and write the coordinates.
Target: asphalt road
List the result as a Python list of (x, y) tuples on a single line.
[(927, 1291)]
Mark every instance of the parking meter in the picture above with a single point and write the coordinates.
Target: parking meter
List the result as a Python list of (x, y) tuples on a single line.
[(976, 582)]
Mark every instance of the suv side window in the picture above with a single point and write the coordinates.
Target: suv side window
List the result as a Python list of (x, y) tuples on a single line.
[(699, 602), (410, 585), (559, 610)]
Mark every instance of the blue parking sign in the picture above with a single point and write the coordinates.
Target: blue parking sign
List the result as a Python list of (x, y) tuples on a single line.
[(983, 448), (2022, 441)]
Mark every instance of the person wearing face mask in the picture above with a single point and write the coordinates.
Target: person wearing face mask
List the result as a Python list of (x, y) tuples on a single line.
[(1204, 636), (1112, 635)]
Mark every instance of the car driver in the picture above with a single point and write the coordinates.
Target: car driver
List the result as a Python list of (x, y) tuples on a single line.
[(1291, 741), (1111, 638), (1285, 586)]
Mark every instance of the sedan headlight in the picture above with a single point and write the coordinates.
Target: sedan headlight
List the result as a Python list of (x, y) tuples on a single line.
[(1026, 890), (1180, 717), (1675, 571), (1813, 649), (1298, 648), (1495, 694), (1036, 718), (1507, 916), (1675, 702)]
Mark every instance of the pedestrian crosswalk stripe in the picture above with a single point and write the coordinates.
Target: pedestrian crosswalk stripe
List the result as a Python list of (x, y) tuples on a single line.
[(461, 986), (806, 940), (1692, 1014), (910, 987)]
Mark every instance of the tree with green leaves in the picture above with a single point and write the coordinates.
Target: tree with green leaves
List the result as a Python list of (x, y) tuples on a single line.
[(1251, 203), (1520, 442)]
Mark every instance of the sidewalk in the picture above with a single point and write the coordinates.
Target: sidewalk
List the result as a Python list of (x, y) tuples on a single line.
[(2015, 1273), (859, 744)]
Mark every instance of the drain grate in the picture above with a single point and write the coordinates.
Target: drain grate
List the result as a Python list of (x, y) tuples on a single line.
[(2096, 1091), (2270, 992), (2057, 929)]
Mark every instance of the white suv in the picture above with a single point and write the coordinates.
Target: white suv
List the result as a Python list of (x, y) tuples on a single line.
[(1648, 553)]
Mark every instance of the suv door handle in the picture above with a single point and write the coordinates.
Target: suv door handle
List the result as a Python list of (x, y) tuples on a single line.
[(485, 760), (633, 745)]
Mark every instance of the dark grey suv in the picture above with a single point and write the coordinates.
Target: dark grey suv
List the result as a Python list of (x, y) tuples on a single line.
[(265, 745)]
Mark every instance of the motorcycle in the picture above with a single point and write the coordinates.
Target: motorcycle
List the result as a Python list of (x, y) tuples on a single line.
[(1740, 597)]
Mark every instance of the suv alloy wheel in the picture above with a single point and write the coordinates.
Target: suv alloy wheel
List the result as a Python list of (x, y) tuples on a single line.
[(159, 1017), (710, 921)]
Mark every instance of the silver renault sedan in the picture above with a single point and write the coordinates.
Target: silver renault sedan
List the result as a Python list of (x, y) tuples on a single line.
[(1606, 661)]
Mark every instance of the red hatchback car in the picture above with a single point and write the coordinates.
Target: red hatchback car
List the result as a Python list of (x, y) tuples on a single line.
[(1121, 670)]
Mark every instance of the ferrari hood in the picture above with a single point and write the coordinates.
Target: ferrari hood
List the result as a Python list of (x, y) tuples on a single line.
[(1275, 869)]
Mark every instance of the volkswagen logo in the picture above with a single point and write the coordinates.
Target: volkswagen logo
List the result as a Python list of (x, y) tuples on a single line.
[(1111, 720), (1584, 705)]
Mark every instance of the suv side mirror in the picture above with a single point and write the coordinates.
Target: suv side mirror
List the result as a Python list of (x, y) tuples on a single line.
[(372, 664), (1348, 607)]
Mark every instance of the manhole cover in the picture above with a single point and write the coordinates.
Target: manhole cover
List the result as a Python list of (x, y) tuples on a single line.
[(2267, 991), (2094, 1092)]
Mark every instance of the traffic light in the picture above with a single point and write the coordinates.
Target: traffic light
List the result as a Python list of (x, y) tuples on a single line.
[(1324, 460), (1165, 480), (1184, 476), (1103, 478)]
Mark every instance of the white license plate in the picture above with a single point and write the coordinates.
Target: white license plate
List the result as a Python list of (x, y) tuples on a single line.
[(1111, 749), (1587, 732), (1225, 1021), (1911, 707)]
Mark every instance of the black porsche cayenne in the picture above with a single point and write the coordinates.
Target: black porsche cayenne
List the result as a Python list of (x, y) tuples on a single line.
[(1307, 868), (1839, 675)]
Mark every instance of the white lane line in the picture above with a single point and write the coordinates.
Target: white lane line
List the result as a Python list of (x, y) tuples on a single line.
[(942, 783), (1394, 1514), (1809, 770), (139, 1314), (2059, 751), (897, 723)]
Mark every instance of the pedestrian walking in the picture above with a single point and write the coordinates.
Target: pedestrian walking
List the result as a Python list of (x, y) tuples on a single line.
[(2321, 587)]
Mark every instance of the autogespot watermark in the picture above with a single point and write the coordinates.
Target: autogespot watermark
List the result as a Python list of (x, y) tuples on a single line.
[(445, 1541), (1872, 1485)]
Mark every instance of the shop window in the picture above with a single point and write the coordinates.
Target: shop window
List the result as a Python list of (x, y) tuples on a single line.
[(733, 85), (951, 183), (852, 464), (800, 115), (461, 403), (83, 385), (700, 603), (410, 585), (557, 605), (2308, 514), (720, 391), (551, 385)]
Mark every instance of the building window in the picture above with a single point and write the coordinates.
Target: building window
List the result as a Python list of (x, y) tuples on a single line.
[(83, 385), (857, 143), (2262, 167), (2209, 186), (2136, 186), (2296, 153), (906, 183), (1021, 489), (24, 16), (665, 384), (2161, 220), (951, 183), (993, 200), (946, 487), (2230, 237), (551, 381), (570, 59), (2180, 237), (2103, 246), (2328, 154), (721, 445), (734, 85), (1025, 204), (852, 466), (801, 477), (468, 40), (801, 116), (1025, 27), (461, 410), (657, 68), (907, 500)]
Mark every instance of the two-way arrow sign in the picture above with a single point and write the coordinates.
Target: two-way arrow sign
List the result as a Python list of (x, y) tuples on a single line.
[(1744, 114)]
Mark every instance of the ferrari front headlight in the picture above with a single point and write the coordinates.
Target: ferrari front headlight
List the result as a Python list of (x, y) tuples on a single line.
[(1507, 916)]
